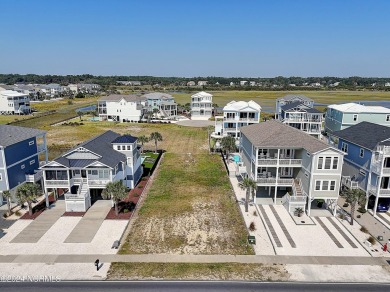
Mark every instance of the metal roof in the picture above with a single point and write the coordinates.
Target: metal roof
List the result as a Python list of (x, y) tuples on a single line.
[(10, 135)]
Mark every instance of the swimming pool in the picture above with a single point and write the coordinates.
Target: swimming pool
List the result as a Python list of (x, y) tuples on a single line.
[(237, 158), (94, 119)]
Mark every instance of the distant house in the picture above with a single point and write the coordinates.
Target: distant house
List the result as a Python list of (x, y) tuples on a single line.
[(163, 102), (292, 85), (83, 172), (341, 116), (252, 83), (14, 103), (20, 152), (387, 84), (236, 114), (289, 99), (366, 161), (201, 106), (129, 83), (305, 118), (202, 83), (54, 89), (243, 83), (232, 84), (120, 108), (290, 167), (191, 83)]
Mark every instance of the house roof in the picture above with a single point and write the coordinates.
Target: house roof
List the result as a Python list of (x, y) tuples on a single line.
[(119, 97), (365, 134), (276, 134), (304, 107), (202, 94), (125, 139), (7, 87), (240, 105), (10, 135), (358, 108), (295, 96), (11, 93), (158, 95), (102, 146)]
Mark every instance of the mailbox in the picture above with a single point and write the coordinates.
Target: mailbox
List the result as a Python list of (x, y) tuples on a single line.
[(251, 239)]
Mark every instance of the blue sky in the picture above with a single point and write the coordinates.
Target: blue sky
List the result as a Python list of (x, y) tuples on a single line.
[(196, 38)]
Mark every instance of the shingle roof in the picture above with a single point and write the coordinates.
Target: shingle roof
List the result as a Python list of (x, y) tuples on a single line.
[(118, 97), (158, 95), (276, 134), (295, 96), (10, 135), (295, 104), (358, 108), (125, 139), (100, 145), (365, 134)]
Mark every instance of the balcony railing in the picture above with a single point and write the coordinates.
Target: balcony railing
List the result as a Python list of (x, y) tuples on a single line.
[(60, 183), (383, 192), (274, 180), (76, 197), (283, 162), (34, 177), (296, 199), (41, 147), (347, 182), (378, 168), (102, 182)]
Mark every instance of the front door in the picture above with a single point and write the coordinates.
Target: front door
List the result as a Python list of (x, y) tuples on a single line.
[(83, 173)]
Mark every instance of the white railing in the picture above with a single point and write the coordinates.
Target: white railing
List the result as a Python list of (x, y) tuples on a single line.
[(383, 192), (62, 183), (266, 161), (101, 182), (346, 181), (76, 197), (290, 161), (296, 199), (41, 148), (273, 161), (34, 177), (273, 180)]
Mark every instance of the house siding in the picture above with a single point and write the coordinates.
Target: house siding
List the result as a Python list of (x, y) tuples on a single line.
[(17, 175), (19, 151)]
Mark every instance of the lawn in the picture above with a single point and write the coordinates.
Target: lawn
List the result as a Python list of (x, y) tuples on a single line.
[(189, 209), (267, 98), (191, 271)]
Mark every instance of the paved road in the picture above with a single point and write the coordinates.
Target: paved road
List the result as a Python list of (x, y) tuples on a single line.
[(170, 286), (166, 258)]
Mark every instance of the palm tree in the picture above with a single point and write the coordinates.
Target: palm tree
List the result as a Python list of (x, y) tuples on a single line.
[(353, 197), (249, 185), (155, 111), (156, 136), (115, 191), (143, 139), (27, 193), (7, 195), (228, 144)]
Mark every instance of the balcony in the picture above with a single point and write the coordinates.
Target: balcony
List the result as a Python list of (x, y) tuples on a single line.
[(57, 183), (271, 181), (41, 147), (76, 197), (379, 169), (98, 183), (296, 199), (34, 177), (350, 184), (382, 192), (281, 162)]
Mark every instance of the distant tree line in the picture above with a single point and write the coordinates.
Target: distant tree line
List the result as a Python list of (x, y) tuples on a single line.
[(220, 83)]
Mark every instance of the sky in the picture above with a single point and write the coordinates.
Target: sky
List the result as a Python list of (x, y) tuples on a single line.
[(246, 38)]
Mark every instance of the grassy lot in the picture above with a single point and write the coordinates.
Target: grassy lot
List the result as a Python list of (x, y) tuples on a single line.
[(189, 271), (267, 98), (150, 159), (189, 209)]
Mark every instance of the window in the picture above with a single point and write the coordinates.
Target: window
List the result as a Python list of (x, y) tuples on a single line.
[(344, 147), (32, 162), (335, 162), (320, 162), (77, 171), (361, 153), (328, 162), (31, 143), (355, 118), (104, 173), (22, 166), (318, 185), (123, 147), (89, 171), (308, 154), (306, 174), (332, 185), (118, 147), (387, 118), (128, 147), (325, 185), (94, 172), (362, 172)]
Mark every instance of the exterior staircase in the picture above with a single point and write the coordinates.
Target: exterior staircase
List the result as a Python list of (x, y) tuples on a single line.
[(297, 188)]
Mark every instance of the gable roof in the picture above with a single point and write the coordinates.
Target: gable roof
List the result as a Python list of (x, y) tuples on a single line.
[(10, 135), (202, 94), (240, 105), (119, 97), (352, 107), (290, 97), (158, 95), (102, 146), (365, 134), (124, 139), (300, 104), (276, 134)]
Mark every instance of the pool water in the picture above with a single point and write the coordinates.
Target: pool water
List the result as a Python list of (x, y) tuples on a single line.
[(94, 119), (236, 158)]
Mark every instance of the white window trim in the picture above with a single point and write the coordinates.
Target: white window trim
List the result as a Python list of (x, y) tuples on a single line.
[(32, 162), (362, 172), (22, 166), (344, 146), (332, 160), (357, 117), (387, 118), (31, 143), (361, 153), (322, 184)]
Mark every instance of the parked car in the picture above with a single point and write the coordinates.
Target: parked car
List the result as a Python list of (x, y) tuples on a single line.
[(383, 207)]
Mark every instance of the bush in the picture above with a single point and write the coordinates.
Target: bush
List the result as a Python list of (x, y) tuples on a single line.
[(364, 229), (371, 240), (252, 226), (345, 205), (341, 216), (254, 213), (362, 210), (18, 213), (140, 187), (126, 211)]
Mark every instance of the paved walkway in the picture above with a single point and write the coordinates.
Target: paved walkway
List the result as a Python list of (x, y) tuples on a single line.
[(169, 258), (34, 231), (195, 123), (88, 226)]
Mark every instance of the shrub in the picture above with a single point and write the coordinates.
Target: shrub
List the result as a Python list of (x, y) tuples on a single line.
[(371, 240), (135, 195), (5, 215), (252, 226), (345, 205), (341, 216), (364, 229), (125, 210), (140, 187), (18, 213), (362, 210), (254, 213)]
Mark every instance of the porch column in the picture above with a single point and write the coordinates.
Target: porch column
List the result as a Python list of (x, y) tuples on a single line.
[(376, 204), (277, 175), (335, 208), (367, 197), (46, 152), (47, 199), (309, 207)]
